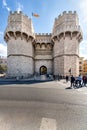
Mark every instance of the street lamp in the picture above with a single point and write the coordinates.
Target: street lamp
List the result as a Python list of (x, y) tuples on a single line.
[(70, 71)]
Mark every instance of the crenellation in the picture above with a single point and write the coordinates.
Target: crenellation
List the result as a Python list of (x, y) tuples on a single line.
[(43, 34), (15, 12), (11, 12), (64, 12), (70, 12), (59, 16), (43, 38), (55, 19), (20, 12), (75, 12)]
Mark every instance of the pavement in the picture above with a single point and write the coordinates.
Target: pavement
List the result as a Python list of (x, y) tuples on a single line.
[(49, 105), (42, 116), (62, 84)]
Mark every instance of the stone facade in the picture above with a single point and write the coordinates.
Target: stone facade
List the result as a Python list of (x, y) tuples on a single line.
[(55, 53)]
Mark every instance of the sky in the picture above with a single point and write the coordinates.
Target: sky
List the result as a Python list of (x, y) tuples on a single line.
[(48, 11)]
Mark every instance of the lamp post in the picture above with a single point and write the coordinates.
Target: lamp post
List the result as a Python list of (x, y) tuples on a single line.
[(70, 72)]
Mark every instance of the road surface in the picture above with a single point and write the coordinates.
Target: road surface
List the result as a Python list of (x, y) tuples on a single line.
[(42, 106)]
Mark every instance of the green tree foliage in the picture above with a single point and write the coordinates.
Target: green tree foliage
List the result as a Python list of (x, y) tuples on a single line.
[(3, 68)]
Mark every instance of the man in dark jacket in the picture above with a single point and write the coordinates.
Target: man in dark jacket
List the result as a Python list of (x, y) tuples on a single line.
[(72, 81)]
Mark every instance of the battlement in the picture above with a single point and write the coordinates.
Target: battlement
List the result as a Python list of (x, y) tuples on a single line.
[(66, 17), (67, 13), (18, 13), (43, 37), (43, 34), (18, 22), (67, 21), (18, 17)]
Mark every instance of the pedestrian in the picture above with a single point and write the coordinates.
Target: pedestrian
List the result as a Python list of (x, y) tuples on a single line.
[(58, 77), (80, 80), (72, 81), (67, 78), (84, 80)]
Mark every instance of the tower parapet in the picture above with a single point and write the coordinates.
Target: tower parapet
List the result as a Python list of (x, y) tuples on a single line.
[(43, 43), (67, 22), (43, 38), (19, 24)]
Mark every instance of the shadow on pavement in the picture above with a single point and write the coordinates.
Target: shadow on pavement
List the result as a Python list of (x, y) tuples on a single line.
[(9, 82), (68, 88), (73, 88)]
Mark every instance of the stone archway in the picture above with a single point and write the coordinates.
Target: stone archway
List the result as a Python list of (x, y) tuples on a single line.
[(43, 70)]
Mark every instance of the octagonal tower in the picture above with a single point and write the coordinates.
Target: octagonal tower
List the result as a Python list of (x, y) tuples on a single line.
[(19, 36), (66, 36)]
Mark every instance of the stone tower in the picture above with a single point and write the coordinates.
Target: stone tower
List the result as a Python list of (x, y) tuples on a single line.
[(19, 36), (66, 36)]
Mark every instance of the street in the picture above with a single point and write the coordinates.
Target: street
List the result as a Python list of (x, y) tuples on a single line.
[(43, 106)]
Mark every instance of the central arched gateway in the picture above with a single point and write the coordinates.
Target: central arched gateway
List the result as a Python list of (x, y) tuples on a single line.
[(43, 70)]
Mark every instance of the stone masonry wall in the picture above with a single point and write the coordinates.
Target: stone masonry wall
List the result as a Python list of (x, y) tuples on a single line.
[(20, 47), (58, 53), (73, 63), (71, 54), (20, 57), (22, 67), (59, 65)]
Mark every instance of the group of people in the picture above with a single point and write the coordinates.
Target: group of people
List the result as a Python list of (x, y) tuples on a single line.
[(77, 81)]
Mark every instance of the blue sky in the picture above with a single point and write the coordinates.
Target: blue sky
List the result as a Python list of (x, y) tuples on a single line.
[(48, 11)]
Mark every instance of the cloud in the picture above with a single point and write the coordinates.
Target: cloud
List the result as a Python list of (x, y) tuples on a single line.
[(83, 10), (8, 8), (83, 5), (83, 49), (6, 5), (1, 33), (19, 6), (3, 50)]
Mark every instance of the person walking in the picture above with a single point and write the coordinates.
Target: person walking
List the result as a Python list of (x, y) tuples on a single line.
[(84, 80), (67, 78), (80, 80), (72, 81)]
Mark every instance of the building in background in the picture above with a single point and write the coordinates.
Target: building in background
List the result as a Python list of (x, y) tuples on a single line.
[(82, 66), (81, 61), (3, 64), (85, 67), (55, 53), (3, 60)]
